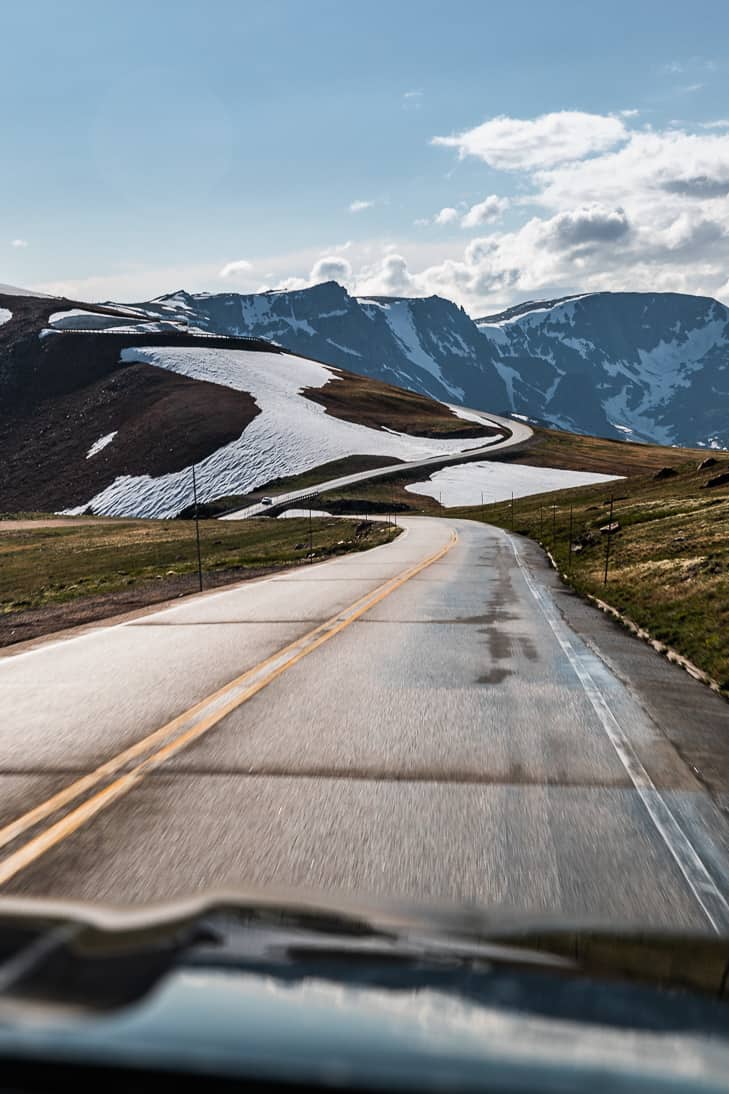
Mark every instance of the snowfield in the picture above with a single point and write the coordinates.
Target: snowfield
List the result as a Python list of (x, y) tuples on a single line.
[(79, 319), (464, 484), (303, 513), (290, 435), (5, 315), (101, 443)]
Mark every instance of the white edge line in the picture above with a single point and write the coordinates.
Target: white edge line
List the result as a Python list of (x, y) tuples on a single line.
[(689, 862)]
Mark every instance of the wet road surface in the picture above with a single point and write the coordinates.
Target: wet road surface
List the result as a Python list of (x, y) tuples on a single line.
[(436, 728)]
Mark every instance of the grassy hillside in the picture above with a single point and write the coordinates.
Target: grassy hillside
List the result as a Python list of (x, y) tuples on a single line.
[(373, 403), (55, 574)]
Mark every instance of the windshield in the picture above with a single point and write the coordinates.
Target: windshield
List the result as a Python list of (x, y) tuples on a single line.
[(364, 428)]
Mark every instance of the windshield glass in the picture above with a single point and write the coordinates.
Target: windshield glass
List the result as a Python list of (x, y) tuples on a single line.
[(364, 429)]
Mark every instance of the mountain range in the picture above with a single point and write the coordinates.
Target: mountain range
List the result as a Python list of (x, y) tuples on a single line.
[(641, 366), (109, 408)]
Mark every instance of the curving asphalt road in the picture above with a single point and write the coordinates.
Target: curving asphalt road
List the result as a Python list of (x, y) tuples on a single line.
[(434, 729), (518, 433)]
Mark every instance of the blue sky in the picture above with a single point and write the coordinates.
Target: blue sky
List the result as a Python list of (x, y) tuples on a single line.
[(153, 146)]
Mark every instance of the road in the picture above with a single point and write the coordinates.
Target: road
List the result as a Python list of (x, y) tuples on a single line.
[(419, 721), (517, 434)]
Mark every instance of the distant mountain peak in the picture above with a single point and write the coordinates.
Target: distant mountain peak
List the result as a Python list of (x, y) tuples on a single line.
[(648, 366)]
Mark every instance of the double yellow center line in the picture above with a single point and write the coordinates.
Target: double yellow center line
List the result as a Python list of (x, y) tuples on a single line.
[(135, 763)]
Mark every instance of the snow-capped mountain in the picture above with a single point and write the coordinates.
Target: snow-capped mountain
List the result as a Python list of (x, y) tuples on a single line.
[(647, 366), (430, 346), (108, 408), (651, 366)]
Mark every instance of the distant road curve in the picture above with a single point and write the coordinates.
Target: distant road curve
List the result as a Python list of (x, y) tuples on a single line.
[(518, 433)]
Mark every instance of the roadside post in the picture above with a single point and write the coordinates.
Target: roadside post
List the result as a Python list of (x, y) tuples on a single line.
[(569, 545), (607, 542), (541, 535), (197, 529), (483, 511), (554, 526), (512, 510), (311, 537)]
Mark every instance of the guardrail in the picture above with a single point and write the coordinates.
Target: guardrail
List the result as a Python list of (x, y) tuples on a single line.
[(247, 340), (275, 507)]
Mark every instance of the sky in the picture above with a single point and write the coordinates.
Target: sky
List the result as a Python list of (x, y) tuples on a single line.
[(486, 152)]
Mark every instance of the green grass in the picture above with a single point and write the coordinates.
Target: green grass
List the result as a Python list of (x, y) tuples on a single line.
[(669, 560), (43, 566)]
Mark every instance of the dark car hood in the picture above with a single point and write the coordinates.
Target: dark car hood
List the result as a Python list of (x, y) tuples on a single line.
[(292, 988)]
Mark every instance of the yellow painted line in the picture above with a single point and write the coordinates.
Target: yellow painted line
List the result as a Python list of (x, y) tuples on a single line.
[(180, 732)]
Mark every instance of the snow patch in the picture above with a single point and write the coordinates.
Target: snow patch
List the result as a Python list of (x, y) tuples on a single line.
[(291, 434), (5, 315), (400, 321), (101, 443), (303, 513), (465, 483)]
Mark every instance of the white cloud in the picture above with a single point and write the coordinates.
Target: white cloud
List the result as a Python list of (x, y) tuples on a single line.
[(513, 144), (390, 277), (649, 212), (413, 94), (360, 206), (235, 269), (446, 216), (485, 212), (18, 242), (719, 123), (331, 268)]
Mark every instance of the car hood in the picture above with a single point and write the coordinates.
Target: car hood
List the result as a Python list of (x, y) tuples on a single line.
[(339, 993)]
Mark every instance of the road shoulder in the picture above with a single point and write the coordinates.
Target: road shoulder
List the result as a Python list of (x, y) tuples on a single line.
[(688, 713)]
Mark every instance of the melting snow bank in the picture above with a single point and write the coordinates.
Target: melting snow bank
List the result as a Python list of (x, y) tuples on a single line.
[(303, 513), (5, 315), (101, 443), (465, 483), (291, 434)]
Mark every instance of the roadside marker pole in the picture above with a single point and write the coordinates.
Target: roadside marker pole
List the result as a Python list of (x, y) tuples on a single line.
[(311, 542), (541, 535), (512, 510), (197, 529), (607, 542), (554, 525), (569, 545), (483, 512)]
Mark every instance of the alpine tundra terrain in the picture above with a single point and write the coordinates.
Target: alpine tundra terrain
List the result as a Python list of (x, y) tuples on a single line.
[(438, 717), (107, 409), (647, 366)]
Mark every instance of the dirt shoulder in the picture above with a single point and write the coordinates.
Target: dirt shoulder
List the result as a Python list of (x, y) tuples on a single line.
[(57, 575)]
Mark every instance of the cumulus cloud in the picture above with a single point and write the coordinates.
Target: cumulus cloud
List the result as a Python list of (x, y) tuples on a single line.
[(446, 216), (484, 212), (514, 144), (700, 186), (591, 224), (18, 242), (649, 211), (331, 268), (235, 269), (390, 277), (360, 206)]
